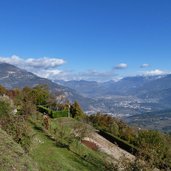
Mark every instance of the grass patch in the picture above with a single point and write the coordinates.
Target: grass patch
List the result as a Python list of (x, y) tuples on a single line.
[(51, 157)]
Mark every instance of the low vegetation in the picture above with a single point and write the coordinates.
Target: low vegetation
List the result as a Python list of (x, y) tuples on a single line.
[(149, 145), (13, 157)]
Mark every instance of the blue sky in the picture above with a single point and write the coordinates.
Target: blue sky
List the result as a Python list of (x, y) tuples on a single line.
[(95, 39)]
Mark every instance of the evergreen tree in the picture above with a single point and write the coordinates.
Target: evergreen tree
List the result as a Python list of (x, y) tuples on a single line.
[(76, 111)]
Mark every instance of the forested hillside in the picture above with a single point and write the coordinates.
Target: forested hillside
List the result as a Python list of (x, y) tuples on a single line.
[(58, 136)]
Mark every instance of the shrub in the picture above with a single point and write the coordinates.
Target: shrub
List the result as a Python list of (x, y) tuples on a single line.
[(6, 106), (17, 127), (52, 113), (14, 125), (154, 144)]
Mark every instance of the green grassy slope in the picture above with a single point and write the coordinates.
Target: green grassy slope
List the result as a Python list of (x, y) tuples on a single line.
[(12, 156), (51, 157)]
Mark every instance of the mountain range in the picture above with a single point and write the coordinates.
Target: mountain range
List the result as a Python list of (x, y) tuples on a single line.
[(128, 96), (125, 86)]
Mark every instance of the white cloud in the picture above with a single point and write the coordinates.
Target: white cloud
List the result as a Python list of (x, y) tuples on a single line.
[(44, 67), (121, 66), (49, 68), (155, 72), (15, 60), (44, 62), (48, 73), (145, 65), (90, 75)]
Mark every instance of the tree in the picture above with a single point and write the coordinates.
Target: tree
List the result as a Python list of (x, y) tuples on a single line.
[(28, 99), (6, 106), (40, 95), (2, 90), (76, 111), (25, 102), (64, 136)]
